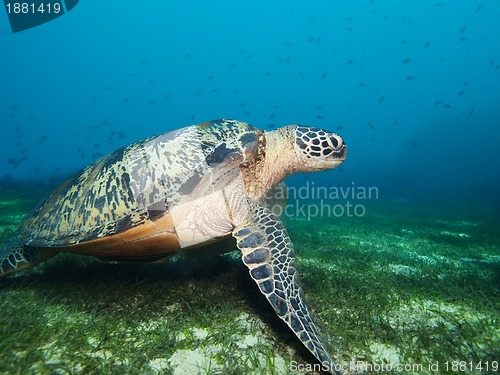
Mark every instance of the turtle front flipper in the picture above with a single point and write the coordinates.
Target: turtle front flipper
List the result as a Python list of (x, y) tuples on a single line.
[(268, 253), (14, 256)]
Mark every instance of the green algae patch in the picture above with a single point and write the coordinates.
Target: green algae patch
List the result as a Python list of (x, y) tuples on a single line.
[(401, 285)]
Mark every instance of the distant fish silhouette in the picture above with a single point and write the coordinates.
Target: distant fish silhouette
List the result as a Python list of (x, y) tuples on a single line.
[(406, 61), (427, 44)]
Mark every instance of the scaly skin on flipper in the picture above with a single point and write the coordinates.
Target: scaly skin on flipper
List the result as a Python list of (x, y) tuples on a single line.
[(15, 256), (268, 253)]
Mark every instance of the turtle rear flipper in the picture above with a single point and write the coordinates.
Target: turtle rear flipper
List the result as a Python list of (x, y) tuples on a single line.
[(14, 256), (268, 253)]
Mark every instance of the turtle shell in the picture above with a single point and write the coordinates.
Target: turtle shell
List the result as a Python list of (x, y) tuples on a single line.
[(120, 205)]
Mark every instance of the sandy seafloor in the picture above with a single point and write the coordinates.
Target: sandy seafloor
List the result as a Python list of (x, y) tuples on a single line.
[(410, 284)]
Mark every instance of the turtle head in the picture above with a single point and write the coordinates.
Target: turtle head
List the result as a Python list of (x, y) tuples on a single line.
[(318, 149)]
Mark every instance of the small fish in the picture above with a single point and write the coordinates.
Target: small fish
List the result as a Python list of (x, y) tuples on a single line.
[(272, 116), (44, 138), (406, 61), (471, 112), (340, 127), (144, 61), (414, 144), (479, 8), (462, 30), (461, 93), (437, 102), (323, 76), (427, 44), (349, 62), (447, 106), (381, 99), (409, 78), (319, 117)]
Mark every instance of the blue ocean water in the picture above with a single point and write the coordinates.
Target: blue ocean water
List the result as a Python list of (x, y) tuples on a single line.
[(412, 86)]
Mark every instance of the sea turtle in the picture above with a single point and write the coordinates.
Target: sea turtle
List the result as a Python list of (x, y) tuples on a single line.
[(182, 189)]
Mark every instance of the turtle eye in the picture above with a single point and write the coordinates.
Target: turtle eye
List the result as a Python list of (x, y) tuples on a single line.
[(335, 141)]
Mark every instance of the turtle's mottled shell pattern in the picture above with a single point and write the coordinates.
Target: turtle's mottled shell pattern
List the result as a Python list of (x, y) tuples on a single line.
[(141, 182)]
